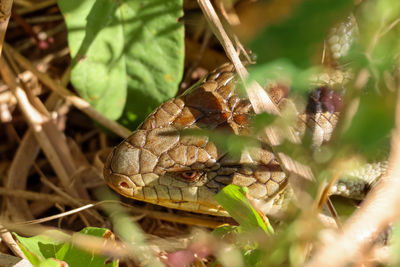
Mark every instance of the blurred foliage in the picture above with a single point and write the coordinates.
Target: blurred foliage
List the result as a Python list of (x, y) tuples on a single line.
[(127, 56), (284, 71), (395, 255), (297, 37), (375, 54), (369, 132), (285, 53), (45, 250), (226, 141)]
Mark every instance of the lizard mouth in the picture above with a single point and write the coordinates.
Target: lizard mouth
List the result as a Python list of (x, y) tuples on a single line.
[(192, 199)]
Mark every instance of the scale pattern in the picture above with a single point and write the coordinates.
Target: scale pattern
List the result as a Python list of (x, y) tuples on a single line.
[(159, 164)]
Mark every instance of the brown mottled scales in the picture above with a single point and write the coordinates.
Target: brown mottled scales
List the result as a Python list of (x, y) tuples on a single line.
[(160, 165)]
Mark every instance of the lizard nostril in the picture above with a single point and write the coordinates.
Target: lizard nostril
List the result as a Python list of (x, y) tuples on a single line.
[(119, 182)]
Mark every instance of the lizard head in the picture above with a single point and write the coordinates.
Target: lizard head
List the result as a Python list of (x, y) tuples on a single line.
[(161, 165)]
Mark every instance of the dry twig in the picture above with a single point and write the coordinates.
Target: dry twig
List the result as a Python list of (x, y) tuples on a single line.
[(7, 238)]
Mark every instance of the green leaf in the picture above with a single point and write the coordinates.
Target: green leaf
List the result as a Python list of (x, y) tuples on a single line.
[(253, 257), (40, 247), (51, 263), (298, 37), (33, 258), (233, 199), (96, 42), (127, 56), (95, 231), (225, 230), (75, 256)]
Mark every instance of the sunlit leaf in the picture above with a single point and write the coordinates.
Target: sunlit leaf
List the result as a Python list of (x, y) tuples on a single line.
[(127, 56), (43, 250), (40, 247), (233, 199), (75, 256)]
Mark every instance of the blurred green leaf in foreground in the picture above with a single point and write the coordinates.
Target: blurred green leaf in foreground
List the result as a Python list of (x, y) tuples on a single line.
[(42, 250), (233, 199)]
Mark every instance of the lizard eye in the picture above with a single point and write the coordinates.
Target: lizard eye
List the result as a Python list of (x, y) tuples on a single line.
[(189, 174)]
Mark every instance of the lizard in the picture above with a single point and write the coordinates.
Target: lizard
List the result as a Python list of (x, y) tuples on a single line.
[(159, 164)]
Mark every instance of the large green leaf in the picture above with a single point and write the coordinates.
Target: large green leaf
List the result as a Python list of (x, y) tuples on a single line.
[(127, 56)]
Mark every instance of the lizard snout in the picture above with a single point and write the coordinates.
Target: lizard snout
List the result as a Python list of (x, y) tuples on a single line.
[(119, 182)]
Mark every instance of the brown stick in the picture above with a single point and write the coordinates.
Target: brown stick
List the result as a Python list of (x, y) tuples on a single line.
[(7, 238)]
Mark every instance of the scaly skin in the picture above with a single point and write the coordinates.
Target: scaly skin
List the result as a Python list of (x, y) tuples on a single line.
[(157, 164)]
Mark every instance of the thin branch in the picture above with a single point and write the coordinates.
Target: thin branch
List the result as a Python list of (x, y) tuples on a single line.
[(7, 238)]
